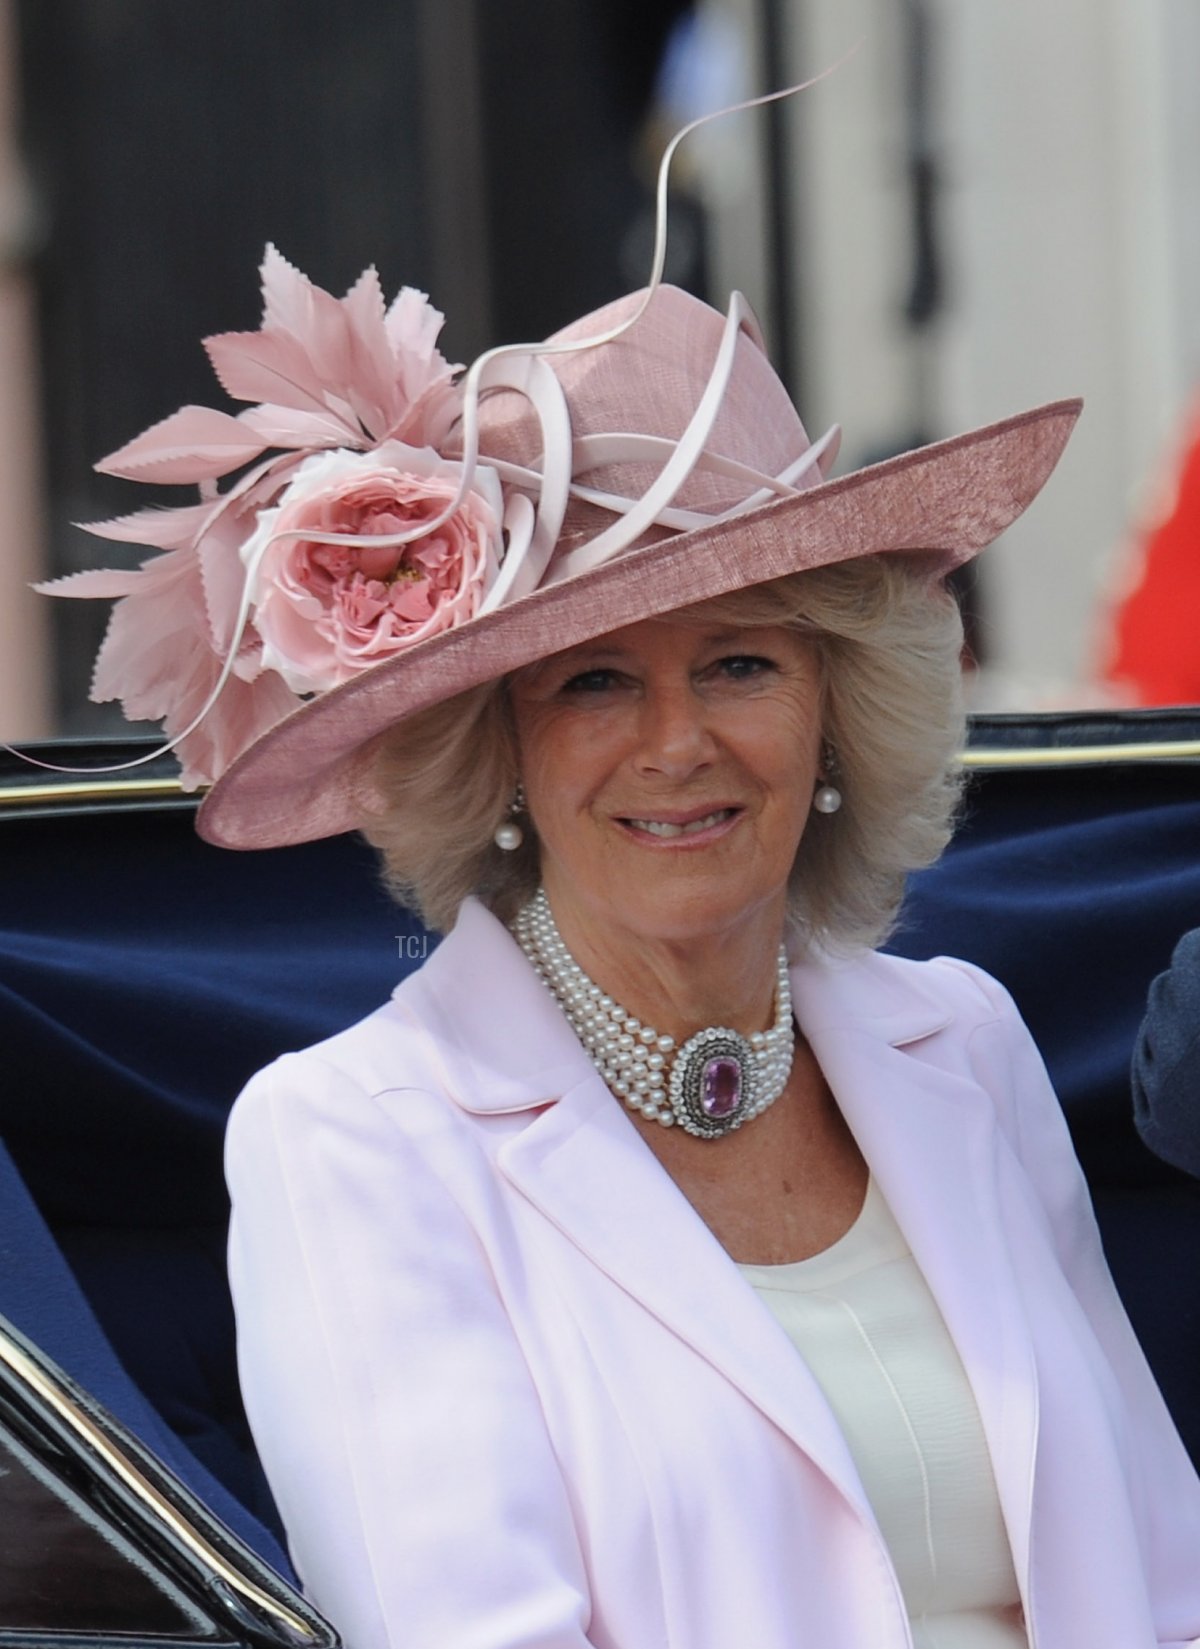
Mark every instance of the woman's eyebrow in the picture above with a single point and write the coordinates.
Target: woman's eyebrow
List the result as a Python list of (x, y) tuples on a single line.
[(569, 664), (734, 632)]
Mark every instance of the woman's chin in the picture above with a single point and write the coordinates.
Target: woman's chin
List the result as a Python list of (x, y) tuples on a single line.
[(699, 916)]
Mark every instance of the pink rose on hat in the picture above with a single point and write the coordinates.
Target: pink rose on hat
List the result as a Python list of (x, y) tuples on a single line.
[(340, 388), (325, 611)]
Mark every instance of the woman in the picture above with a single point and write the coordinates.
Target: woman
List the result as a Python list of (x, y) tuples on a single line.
[(662, 1265)]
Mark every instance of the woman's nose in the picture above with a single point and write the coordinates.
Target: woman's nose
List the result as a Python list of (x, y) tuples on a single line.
[(674, 735)]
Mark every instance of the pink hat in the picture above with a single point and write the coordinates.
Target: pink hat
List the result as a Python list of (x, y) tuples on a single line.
[(420, 536)]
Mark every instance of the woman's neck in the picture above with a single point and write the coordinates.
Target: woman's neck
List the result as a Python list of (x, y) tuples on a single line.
[(683, 984)]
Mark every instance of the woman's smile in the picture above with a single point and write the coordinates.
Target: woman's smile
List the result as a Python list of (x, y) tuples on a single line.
[(690, 828), (669, 769)]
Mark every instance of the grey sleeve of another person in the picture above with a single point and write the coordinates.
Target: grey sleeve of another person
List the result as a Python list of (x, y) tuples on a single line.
[(1166, 1061)]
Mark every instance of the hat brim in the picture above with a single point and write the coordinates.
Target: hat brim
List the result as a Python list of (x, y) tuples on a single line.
[(306, 778)]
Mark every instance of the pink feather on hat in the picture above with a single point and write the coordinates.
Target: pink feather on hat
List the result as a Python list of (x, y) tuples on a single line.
[(323, 373)]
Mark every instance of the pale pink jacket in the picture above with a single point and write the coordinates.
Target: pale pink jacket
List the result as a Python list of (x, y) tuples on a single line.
[(511, 1393)]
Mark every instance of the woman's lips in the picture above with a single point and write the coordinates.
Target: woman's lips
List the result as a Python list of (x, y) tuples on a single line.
[(668, 827)]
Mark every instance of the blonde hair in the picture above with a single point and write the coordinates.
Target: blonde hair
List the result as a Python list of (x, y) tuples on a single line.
[(889, 644)]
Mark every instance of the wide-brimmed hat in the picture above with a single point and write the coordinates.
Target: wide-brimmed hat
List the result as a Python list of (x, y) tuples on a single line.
[(412, 538), (311, 775)]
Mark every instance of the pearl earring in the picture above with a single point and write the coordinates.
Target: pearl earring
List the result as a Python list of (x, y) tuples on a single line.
[(508, 834), (828, 798)]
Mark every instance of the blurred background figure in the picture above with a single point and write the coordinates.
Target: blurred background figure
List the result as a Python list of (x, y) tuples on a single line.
[(971, 171)]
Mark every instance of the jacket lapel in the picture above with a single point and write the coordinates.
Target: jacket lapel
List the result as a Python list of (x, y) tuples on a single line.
[(504, 1047), (928, 1136), (583, 1164)]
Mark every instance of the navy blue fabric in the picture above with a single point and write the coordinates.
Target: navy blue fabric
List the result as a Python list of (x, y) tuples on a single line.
[(1166, 1061), (40, 1297), (143, 977), (1072, 887)]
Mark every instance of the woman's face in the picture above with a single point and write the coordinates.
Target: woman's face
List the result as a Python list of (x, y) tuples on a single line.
[(669, 770)]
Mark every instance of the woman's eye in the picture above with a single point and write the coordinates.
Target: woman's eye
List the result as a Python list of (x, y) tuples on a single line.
[(590, 681), (743, 666)]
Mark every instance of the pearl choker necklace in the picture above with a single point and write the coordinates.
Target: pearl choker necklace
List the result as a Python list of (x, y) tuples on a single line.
[(709, 1087)]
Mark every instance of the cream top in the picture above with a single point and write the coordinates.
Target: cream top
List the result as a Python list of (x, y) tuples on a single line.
[(862, 1317)]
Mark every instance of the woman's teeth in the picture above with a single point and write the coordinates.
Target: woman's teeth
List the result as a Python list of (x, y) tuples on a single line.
[(659, 827)]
